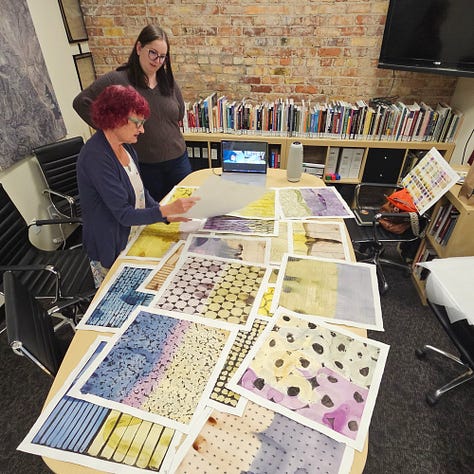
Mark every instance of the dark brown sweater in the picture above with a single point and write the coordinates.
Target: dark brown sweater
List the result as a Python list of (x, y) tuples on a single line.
[(162, 140)]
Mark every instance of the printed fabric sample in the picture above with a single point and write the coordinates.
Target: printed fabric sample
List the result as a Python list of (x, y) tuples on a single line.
[(280, 243), (121, 298), (84, 433), (221, 397), (212, 288), (312, 202), (263, 208), (180, 192), (315, 374), (263, 442), (264, 308), (155, 240), (237, 225), (166, 266), (230, 247), (160, 365), (338, 291), (319, 239)]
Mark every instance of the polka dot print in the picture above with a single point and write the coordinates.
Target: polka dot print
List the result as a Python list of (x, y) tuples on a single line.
[(243, 342), (260, 442), (213, 289)]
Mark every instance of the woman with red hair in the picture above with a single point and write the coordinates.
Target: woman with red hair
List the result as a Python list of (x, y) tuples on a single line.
[(113, 198)]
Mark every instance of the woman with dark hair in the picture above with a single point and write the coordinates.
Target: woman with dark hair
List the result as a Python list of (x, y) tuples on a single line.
[(162, 151), (113, 198)]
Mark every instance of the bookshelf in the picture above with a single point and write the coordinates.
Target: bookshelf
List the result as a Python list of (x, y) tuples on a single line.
[(375, 160), (382, 138), (448, 235)]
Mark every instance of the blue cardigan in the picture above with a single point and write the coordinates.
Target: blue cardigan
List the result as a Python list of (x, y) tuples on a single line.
[(108, 201)]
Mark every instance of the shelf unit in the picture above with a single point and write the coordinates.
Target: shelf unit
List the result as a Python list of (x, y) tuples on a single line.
[(382, 161), (459, 243)]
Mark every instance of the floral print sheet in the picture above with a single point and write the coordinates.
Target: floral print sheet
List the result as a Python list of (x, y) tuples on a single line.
[(321, 376)]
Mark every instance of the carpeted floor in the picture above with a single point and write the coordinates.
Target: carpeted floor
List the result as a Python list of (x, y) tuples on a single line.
[(406, 435), (23, 391)]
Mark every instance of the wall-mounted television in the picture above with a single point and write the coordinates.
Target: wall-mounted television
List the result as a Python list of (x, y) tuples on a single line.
[(434, 36)]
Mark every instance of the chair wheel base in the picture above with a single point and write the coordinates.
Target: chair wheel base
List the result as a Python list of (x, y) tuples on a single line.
[(431, 399), (420, 353)]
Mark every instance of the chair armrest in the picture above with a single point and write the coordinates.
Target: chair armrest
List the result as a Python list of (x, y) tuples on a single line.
[(395, 187), (56, 221), (66, 197), (361, 187), (71, 301), (32, 268), (383, 215), (423, 218), (69, 199)]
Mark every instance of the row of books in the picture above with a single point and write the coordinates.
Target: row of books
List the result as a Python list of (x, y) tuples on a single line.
[(425, 254), (336, 119), (274, 157), (443, 223)]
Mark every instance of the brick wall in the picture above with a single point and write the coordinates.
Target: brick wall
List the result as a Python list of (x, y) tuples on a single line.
[(264, 49)]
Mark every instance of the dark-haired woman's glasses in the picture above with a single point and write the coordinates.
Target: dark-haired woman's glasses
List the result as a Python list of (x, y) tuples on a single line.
[(139, 123), (155, 56)]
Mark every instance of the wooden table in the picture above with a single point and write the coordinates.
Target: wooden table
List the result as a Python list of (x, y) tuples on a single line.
[(83, 339)]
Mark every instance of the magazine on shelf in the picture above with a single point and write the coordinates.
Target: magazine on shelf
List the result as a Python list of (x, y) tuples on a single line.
[(430, 179)]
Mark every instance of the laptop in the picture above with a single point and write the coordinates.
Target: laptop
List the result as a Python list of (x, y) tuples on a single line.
[(244, 161)]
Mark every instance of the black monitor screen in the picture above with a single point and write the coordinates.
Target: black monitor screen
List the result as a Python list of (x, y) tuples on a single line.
[(430, 34), (244, 157)]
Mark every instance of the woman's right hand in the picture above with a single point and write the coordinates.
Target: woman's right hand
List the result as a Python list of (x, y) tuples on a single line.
[(177, 207)]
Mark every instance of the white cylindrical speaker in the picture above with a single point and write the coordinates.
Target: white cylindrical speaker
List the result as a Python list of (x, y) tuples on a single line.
[(294, 167)]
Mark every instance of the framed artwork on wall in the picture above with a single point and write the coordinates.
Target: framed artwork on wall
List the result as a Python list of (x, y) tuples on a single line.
[(85, 69), (73, 20), (31, 116)]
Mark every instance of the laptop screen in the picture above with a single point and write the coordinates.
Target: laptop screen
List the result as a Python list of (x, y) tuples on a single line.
[(244, 156)]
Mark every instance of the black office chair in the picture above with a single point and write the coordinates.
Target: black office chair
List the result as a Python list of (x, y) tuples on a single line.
[(369, 238), (53, 277), (29, 327), (461, 334), (58, 164)]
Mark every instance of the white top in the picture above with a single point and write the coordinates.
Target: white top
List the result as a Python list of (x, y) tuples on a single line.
[(137, 185)]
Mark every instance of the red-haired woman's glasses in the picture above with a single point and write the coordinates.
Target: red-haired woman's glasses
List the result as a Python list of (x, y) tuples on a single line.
[(139, 123)]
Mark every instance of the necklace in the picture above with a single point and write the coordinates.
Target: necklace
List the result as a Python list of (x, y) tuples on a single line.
[(124, 158)]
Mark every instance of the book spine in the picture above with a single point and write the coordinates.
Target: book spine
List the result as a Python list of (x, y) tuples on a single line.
[(453, 217)]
